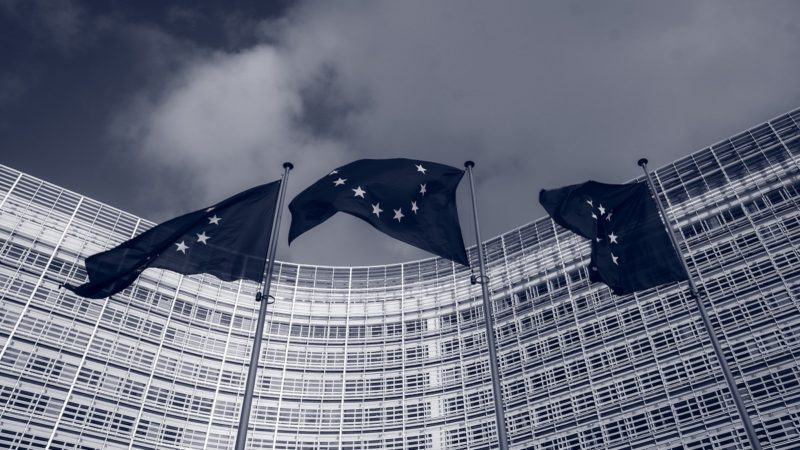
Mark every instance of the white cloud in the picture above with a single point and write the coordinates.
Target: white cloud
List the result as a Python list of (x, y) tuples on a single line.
[(228, 120)]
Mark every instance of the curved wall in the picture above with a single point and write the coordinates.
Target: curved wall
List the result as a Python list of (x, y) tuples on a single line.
[(392, 357)]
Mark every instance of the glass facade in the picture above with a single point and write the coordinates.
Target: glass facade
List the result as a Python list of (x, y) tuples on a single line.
[(394, 357)]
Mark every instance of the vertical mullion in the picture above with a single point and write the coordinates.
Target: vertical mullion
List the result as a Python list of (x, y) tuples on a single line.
[(461, 367), (403, 349), (344, 353)]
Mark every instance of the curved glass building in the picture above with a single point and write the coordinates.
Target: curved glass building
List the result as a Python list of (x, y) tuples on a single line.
[(394, 357)]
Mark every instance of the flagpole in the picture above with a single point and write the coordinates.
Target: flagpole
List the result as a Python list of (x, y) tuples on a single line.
[(726, 371), (488, 321), (247, 401)]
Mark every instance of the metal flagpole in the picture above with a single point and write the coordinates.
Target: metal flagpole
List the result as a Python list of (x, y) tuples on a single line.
[(244, 418), (726, 371), (500, 415)]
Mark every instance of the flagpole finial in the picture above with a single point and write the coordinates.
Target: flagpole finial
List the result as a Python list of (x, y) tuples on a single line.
[(288, 165), (642, 162), (469, 164)]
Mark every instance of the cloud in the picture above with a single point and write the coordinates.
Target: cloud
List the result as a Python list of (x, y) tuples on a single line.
[(228, 114), (538, 94)]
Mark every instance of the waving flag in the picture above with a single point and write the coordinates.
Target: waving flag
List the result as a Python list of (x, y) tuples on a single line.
[(410, 200), (631, 250), (228, 240)]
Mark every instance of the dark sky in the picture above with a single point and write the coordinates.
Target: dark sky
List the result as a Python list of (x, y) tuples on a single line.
[(160, 108)]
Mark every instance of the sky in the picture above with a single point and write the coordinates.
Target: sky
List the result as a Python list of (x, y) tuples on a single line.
[(160, 108)]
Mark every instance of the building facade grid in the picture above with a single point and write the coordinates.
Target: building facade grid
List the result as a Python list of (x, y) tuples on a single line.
[(394, 356)]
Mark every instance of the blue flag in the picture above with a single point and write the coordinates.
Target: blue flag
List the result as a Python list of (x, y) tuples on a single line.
[(228, 240), (412, 201), (631, 250)]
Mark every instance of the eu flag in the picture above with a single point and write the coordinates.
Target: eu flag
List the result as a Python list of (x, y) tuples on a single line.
[(631, 250), (413, 201), (228, 240)]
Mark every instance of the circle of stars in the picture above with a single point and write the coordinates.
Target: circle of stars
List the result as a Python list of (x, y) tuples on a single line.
[(360, 192), (605, 215)]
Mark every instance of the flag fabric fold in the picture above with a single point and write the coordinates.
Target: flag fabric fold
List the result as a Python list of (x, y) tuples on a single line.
[(631, 250), (410, 200), (228, 240)]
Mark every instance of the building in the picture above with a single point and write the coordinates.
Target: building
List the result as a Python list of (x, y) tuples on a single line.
[(394, 357)]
